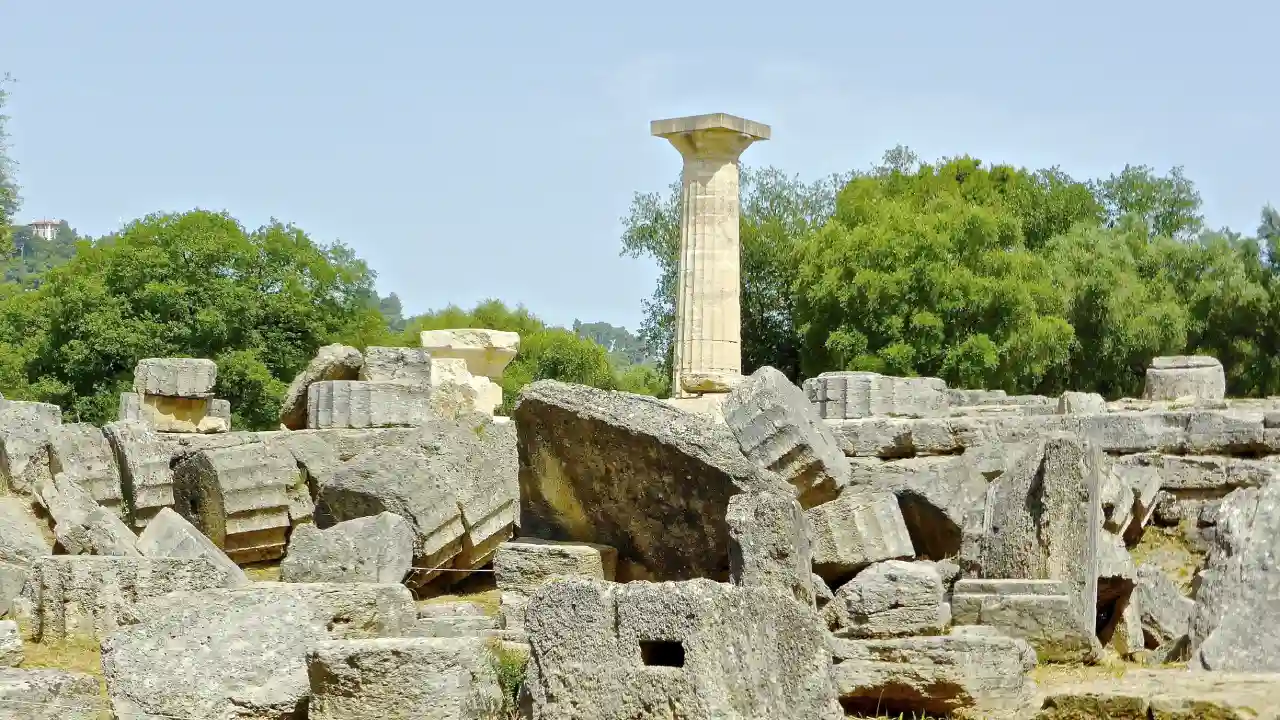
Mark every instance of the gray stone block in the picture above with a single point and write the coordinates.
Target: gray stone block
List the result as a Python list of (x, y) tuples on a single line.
[(455, 627), (375, 549), (22, 539), (357, 404), (175, 377), (935, 494), (41, 694), (849, 395), (889, 599), (857, 529), (524, 565), (24, 443), (769, 544), (1038, 611), (712, 649), (1173, 378), (1080, 403), (332, 362), (404, 365), (169, 535), (448, 679), (146, 479), (1166, 612), (779, 429), (81, 526), (11, 654), (82, 451)]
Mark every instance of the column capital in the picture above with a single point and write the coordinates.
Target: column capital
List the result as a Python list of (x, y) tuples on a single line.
[(717, 135)]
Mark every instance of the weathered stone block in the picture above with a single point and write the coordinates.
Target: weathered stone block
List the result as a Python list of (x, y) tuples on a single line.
[(1197, 377), (332, 362), (82, 451), (1080, 403), (712, 650), (1166, 695), (146, 480), (86, 596), (445, 626), (24, 443), (82, 526), (849, 395), (631, 472), (356, 404), (175, 377), (13, 577), (488, 491), (1038, 611), (11, 654), (935, 494), (237, 496), (180, 415), (889, 599), (442, 679), (769, 544), (1166, 612), (169, 535), (22, 539), (41, 694), (857, 529), (984, 673), (407, 366), (1043, 516), (779, 429), (226, 653), (487, 352), (375, 549), (524, 565)]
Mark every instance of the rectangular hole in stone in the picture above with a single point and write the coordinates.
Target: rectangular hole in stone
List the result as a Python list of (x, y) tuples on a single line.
[(662, 653)]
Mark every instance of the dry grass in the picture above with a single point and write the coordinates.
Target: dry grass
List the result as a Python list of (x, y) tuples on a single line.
[(488, 600), (263, 572), (76, 654), (1167, 549)]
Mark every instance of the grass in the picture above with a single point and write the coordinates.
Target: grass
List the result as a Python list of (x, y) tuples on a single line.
[(263, 572), (488, 600), (1167, 549)]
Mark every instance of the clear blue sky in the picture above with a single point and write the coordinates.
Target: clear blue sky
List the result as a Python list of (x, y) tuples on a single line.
[(477, 149)]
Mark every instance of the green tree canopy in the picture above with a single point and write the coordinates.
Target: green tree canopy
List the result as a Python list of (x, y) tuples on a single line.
[(9, 199)]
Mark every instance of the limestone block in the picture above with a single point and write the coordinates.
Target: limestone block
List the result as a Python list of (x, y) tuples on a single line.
[(631, 472), (1080, 403), (239, 653), (710, 406), (1198, 377), (857, 529), (22, 539), (439, 678), (146, 479), (179, 415), (42, 694), (769, 544), (455, 391), (221, 409), (407, 366), (13, 576), (465, 626), (332, 362), (489, 489), (935, 495), (81, 526), (462, 608), (130, 407), (356, 404), (1119, 619), (24, 443), (82, 452), (524, 565), (848, 395), (1038, 611), (175, 377), (237, 497), (85, 596), (1043, 516), (1166, 612), (984, 673), (1164, 694), (889, 599), (715, 650), (486, 352), (11, 654), (1239, 588), (376, 549), (779, 429), (169, 535)]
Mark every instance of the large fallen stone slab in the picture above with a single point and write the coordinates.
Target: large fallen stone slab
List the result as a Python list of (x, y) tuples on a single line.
[(1164, 694), (239, 653), (779, 429), (1080, 403), (890, 599), (972, 670), (1197, 377), (374, 549), (82, 452), (1239, 588), (408, 366), (24, 443), (169, 535), (848, 395), (146, 479), (84, 596), (489, 491), (936, 495), (175, 377), (332, 362), (1042, 519), (1038, 611), (237, 496), (633, 473), (82, 526), (361, 404), (1165, 612), (379, 679), (857, 529), (769, 544), (41, 694), (713, 650)]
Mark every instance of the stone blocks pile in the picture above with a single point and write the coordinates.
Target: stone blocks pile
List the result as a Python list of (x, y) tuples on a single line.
[(522, 566), (375, 549), (484, 354), (1041, 612), (176, 395)]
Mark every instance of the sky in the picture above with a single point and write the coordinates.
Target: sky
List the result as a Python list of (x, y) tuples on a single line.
[(490, 149)]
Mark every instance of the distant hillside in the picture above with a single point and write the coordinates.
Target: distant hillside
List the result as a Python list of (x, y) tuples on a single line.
[(624, 348)]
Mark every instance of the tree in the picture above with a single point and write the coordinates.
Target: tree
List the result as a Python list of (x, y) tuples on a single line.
[(1168, 205), (624, 348), (195, 284), (392, 312), (10, 201)]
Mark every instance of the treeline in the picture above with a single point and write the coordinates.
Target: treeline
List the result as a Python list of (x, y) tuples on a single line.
[(987, 276)]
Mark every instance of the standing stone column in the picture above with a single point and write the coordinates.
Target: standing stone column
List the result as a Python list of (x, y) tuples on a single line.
[(708, 342)]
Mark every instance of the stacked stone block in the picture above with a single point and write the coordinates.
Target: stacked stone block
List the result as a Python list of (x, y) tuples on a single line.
[(176, 395), (467, 366), (522, 566)]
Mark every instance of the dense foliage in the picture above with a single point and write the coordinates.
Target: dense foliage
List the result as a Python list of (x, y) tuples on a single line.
[(986, 276), (8, 185)]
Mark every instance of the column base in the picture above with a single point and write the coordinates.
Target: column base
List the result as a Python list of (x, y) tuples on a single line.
[(708, 406), (716, 382)]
